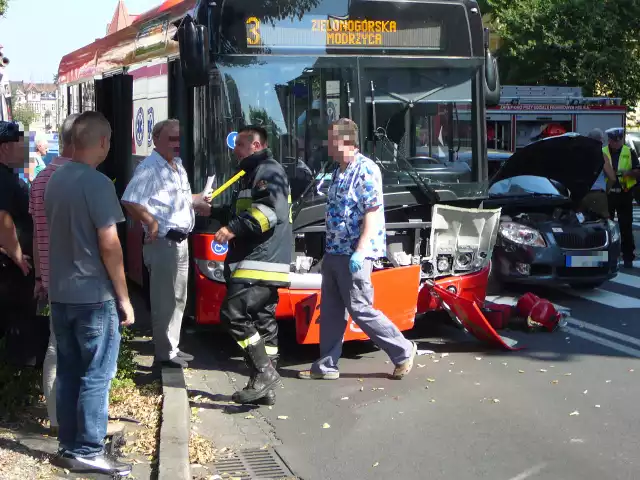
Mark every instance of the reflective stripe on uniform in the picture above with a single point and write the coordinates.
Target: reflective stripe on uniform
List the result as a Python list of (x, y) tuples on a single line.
[(271, 351), (242, 205), (260, 275), (264, 216), (274, 273), (290, 209), (255, 338), (244, 200)]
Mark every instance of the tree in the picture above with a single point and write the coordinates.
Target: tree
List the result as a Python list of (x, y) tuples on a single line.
[(3, 7), (25, 115), (592, 44)]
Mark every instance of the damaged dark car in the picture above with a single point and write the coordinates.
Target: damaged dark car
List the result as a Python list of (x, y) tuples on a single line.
[(545, 238)]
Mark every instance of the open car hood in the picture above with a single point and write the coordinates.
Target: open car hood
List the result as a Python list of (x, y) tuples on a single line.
[(571, 159)]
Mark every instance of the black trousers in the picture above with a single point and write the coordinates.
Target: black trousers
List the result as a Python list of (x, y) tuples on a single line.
[(251, 309), (25, 335), (622, 203)]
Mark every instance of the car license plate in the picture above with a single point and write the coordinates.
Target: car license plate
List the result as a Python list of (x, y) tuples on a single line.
[(593, 260)]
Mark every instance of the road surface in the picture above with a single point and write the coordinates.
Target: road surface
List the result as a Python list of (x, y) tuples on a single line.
[(564, 408)]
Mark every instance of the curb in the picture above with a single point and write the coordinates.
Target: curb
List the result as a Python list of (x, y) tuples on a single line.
[(173, 454)]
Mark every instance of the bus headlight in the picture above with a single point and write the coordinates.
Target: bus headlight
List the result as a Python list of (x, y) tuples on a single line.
[(211, 269)]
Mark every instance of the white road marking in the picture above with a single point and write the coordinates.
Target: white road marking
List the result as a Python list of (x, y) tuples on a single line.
[(626, 279), (510, 300), (528, 473), (604, 331), (610, 299), (632, 352)]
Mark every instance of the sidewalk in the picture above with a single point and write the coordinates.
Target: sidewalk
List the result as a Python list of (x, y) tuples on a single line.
[(238, 441), (25, 446)]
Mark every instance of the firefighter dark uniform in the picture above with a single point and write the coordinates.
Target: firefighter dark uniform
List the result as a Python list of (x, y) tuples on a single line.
[(258, 263), (620, 197)]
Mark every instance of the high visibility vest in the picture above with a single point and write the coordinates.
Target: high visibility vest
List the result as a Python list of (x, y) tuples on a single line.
[(624, 163)]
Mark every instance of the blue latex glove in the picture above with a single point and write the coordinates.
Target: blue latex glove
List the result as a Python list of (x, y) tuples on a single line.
[(356, 262)]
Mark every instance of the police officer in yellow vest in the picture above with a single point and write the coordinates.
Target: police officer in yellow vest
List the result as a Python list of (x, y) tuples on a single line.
[(620, 198), (258, 263)]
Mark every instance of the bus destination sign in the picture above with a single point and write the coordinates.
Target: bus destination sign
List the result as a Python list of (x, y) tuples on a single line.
[(341, 33)]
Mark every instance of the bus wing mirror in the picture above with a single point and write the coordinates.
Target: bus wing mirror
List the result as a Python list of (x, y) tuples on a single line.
[(194, 52), (491, 80)]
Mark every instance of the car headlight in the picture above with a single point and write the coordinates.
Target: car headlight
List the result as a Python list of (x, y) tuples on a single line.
[(614, 230), (211, 269), (521, 234)]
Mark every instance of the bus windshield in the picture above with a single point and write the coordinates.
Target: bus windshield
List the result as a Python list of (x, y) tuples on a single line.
[(413, 119)]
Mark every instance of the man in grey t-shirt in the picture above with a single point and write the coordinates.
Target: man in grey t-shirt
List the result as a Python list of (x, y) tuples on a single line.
[(87, 288)]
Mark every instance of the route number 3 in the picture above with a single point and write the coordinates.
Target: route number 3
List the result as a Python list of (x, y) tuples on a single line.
[(253, 31)]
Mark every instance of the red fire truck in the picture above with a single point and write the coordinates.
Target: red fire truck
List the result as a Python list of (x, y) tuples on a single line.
[(526, 114), (393, 67)]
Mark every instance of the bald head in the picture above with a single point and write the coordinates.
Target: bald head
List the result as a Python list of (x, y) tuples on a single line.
[(91, 138)]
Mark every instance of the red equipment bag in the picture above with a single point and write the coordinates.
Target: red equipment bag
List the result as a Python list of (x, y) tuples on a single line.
[(498, 315)]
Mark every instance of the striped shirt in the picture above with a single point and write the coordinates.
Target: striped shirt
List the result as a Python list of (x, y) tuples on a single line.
[(164, 192), (36, 209)]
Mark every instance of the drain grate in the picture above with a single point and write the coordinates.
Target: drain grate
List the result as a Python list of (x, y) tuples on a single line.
[(254, 464)]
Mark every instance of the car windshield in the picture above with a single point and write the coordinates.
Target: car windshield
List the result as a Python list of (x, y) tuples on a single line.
[(524, 185)]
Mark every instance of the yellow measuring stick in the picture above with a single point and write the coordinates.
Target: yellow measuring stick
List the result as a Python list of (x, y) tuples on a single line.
[(227, 184)]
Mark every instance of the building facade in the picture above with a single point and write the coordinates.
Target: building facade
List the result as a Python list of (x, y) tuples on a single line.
[(42, 99)]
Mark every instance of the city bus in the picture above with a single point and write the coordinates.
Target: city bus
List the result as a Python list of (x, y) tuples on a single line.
[(415, 76)]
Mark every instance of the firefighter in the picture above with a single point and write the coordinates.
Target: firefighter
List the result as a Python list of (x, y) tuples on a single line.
[(620, 198), (258, 261)]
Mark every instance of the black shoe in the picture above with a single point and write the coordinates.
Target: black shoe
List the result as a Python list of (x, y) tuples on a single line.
[(98, 464), (264, 377), (175, 362), (628, 264), (185, 356), (270, 398)]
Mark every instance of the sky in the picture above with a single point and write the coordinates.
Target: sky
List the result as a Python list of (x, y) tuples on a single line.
[(36, 34)]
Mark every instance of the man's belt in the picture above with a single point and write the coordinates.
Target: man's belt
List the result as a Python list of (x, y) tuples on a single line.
[(176, 236)]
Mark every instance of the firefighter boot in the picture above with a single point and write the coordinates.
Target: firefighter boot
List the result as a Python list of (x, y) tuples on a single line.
[(270, 397), (263, 376)]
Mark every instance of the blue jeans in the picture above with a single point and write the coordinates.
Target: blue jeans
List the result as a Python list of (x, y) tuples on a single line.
[(88, 339)]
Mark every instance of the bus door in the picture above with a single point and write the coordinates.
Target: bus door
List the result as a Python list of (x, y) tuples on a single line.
[(118, 166)]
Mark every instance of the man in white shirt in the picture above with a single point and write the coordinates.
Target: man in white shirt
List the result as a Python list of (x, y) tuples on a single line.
[(159, 195), (596, 199)]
